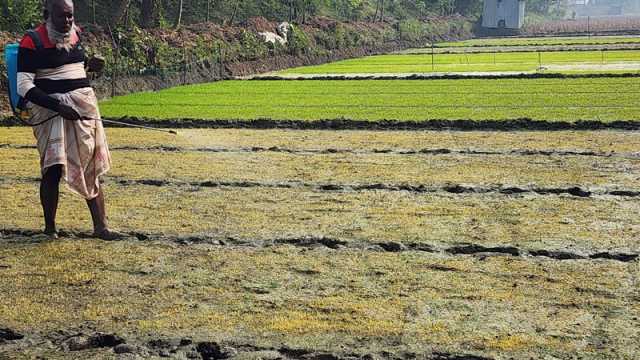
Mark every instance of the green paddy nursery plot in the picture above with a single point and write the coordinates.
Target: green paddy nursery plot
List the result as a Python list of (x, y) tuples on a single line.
[(602, 99), (570, 61)]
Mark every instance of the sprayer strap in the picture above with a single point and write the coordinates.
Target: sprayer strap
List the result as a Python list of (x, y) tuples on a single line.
[(35, 37)]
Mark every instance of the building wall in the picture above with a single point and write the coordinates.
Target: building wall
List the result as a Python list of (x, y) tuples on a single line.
[(503, 13), (489, 16)]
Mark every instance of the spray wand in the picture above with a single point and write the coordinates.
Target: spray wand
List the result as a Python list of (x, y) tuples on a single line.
[(107, 121), (136, 126)]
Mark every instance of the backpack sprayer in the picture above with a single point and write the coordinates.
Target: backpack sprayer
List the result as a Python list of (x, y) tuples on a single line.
[(18, 103)]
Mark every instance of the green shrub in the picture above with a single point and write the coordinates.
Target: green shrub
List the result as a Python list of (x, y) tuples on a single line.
[(252, 47), (19, 15), (410, 30), (298, 41)]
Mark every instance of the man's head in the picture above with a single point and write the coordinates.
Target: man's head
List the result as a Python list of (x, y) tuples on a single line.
[(60, 24), (60, 14)]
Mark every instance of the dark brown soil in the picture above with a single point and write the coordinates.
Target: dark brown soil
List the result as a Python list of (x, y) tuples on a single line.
[(25, 235)]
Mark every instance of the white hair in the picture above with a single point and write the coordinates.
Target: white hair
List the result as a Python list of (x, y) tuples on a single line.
[(49, 4)]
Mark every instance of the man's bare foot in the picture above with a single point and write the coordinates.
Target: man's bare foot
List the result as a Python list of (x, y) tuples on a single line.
[(106, 234), (51, 233)]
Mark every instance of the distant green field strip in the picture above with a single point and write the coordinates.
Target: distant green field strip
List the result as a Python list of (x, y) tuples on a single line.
[(542, 99), (597, 85), (508, 61), (575, 40), (549, 100)]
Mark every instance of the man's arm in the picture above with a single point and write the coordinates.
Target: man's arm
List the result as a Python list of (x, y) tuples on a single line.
[(26, 76)]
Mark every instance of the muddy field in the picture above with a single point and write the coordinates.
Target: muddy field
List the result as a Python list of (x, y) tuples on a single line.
[(300, 244)]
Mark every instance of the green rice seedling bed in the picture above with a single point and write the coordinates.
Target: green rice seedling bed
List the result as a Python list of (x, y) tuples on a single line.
[(476, 62), (600, 99)]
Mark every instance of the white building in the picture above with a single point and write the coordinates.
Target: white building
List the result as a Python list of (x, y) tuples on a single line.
[(503, 14)]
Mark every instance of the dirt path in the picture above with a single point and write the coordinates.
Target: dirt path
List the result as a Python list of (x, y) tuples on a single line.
[(630, 66), (383, 75)]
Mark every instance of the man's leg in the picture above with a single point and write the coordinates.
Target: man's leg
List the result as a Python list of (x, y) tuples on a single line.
[(99, 217), (49, 194), (98, 213)]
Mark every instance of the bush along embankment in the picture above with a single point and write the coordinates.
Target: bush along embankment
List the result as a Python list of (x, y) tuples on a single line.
[(138, 60)]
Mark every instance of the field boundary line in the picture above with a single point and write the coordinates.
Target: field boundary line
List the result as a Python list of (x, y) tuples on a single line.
[(440, 76), (156, 345), (373, 125), (380, 151), (448, 188), (455, 249), (574, 191)]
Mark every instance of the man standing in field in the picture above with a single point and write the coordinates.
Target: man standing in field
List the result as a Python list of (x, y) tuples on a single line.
[(72, 144)]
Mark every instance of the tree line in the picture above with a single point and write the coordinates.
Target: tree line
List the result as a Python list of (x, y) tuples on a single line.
[(18, 15)]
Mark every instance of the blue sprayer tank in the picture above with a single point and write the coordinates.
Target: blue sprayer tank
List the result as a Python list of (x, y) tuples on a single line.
[(11, 60)]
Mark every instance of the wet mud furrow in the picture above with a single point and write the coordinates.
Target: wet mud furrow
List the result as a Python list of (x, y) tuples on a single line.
[(88, 339), (577, 191), (414, 188), (441, 76), (22, 235), (427, 124), (380, 125), (423, 151)]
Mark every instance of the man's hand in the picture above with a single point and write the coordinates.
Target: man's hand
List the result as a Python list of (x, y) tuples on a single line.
[(95, 64), (68, 112)]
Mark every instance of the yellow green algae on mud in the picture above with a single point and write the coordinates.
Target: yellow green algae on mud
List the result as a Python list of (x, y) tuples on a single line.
[(607, 142), (273, 244), (346, 168), (322, 300)]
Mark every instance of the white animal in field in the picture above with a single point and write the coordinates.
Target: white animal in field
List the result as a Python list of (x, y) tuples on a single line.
[(280, 37)]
